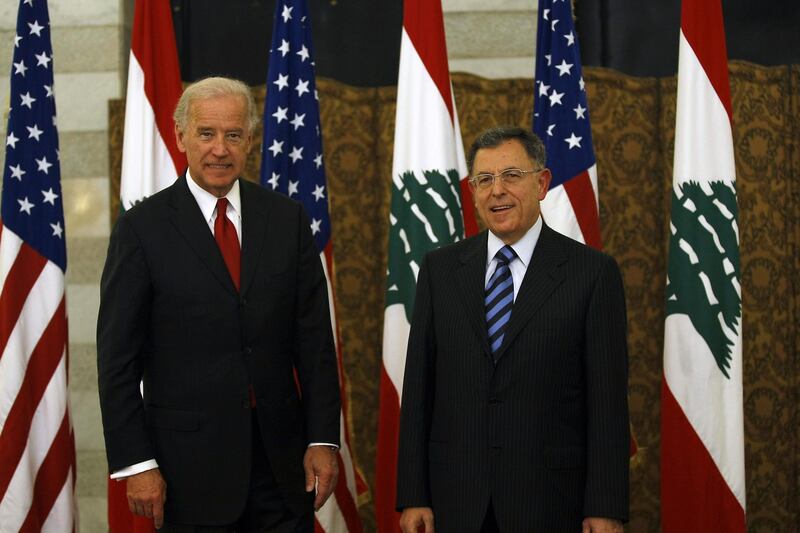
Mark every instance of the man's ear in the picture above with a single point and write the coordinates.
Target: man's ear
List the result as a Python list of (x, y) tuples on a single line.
[(179, 139), (544, 182)]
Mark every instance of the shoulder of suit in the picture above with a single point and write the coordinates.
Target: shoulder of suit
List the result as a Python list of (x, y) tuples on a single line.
[(262, 194), (576, 249), (164, 197), (460, 250), (151, 205)]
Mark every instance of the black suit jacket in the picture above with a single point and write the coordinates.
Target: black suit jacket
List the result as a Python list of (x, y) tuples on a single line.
[(171, 316), (543, 433)]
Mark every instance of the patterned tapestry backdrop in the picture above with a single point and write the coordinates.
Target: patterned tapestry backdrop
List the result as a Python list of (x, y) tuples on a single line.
[(633, 123)]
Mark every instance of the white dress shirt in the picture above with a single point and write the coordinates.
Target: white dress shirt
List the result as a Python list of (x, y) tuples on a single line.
[(524, 250), (207, 203)]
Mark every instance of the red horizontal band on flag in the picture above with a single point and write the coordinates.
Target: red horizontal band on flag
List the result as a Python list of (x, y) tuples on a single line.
[(695, 498), (153, 44), (424, 24), (53, 474), (703, 26), (43, 362), (584, 203), (387, 519), (27, 268), (468, 209)]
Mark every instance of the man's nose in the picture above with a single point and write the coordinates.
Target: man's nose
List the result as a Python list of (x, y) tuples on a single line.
[(498, 186), (219, 148)]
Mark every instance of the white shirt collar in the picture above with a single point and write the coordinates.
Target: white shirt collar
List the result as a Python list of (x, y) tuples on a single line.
[(208, 202), (523, 247)]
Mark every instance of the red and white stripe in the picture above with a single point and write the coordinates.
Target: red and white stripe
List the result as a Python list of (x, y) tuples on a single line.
[(37, 444), (702, 428), (151, 160), (340, 512), (572, 210), (150, 157), (427, 136)]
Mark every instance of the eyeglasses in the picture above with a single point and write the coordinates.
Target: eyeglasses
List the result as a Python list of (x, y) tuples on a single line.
[(510, 176)]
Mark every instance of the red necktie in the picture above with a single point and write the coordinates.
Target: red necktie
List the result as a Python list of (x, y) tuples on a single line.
[(228, 241)]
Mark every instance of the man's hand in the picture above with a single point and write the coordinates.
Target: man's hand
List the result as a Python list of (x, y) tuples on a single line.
[(601, 525), (147, 493), (322, 471), (415, 517)]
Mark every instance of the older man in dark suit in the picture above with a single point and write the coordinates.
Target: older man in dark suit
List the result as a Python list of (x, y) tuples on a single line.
[(514, 413), (213, 296)]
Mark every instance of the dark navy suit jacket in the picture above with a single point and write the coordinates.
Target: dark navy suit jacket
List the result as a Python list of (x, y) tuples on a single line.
[(171, 316), (544, 433)]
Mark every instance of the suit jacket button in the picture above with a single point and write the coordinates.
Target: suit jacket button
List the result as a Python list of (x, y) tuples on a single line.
[(248, 350), (242, 301)]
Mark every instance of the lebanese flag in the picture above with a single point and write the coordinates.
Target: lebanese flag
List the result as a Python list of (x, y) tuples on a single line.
[(431, 206), (702, 428), (150, 157)]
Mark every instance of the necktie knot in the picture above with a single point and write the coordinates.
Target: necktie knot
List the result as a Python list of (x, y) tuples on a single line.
[(222, 207), (505, 255)]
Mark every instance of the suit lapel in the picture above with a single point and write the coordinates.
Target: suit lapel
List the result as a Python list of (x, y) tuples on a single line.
[(471, 278), (188, 220), (541, 278), (254, 230)]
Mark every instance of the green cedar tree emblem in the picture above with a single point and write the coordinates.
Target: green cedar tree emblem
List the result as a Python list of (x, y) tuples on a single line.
[(703, 271), (425, 214)]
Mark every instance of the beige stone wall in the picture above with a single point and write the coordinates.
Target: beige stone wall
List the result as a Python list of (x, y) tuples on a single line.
[(90, 61), (493, 39)]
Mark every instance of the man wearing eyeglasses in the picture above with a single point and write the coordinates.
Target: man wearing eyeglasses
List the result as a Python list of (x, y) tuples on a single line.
[(514, 407)]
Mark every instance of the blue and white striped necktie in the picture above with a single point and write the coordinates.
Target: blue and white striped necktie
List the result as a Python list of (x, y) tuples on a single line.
[(499, 298)]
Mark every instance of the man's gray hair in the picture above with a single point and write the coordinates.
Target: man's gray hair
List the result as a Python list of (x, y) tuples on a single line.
[(215, 87), (494, 137)]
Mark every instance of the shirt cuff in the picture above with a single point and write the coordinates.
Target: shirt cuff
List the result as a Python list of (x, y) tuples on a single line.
[(132, 470), (328, 444)]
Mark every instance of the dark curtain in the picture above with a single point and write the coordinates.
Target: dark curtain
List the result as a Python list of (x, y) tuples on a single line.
[(358, 41), (641, 38), (355, 41)]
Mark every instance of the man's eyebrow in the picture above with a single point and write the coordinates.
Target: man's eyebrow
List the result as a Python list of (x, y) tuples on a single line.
[(515, 167)]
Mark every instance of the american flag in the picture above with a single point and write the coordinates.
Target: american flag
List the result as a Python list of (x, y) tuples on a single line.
[(561, 119), (291, 163), (37, 445)]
